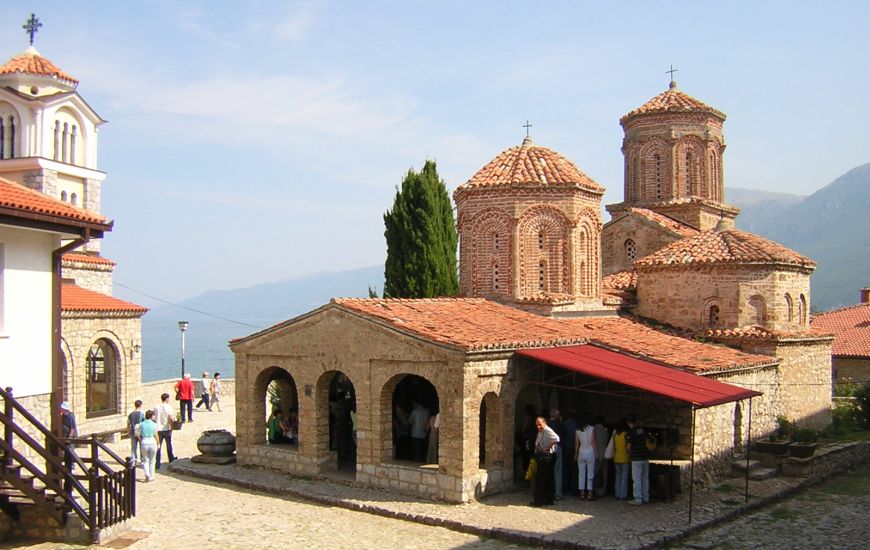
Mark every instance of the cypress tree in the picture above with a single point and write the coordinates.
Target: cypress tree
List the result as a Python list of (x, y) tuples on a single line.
[(421, 238)]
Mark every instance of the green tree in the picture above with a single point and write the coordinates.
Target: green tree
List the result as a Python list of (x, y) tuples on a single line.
[(421, 239)]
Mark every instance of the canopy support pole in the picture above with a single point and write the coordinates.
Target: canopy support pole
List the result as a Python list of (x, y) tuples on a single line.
[(748, 444), (692, 471)]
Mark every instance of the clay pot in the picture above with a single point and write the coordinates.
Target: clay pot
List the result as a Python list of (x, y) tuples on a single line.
[(216, 443)]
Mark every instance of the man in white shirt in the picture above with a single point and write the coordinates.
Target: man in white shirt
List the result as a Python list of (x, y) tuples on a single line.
[(164, 414), (545, 448), (419, 421)]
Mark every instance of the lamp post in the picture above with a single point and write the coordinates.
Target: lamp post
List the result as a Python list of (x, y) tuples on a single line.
[(182, 325)]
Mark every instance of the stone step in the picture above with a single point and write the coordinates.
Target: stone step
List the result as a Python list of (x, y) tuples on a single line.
[(740, 465), (759, 474)]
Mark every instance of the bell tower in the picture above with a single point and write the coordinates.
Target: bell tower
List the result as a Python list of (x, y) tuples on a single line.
[(673, 148)]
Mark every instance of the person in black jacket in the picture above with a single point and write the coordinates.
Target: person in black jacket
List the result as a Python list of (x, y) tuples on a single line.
[(639, 454)]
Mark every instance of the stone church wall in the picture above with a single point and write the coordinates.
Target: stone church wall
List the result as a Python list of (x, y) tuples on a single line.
[(647, 239), (96, 277)]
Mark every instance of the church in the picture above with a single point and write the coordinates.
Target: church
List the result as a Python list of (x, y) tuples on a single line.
[(48, 144), (665, 311)]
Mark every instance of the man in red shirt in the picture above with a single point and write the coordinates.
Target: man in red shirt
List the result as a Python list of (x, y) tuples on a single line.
[(184, 391)]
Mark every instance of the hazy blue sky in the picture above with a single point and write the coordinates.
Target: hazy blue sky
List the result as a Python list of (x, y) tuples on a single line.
[(256, 141)]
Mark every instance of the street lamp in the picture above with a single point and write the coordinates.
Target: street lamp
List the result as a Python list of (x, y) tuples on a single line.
[(182, 325)]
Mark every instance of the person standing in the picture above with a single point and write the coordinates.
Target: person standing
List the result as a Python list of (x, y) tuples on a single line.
[(545, 448), (164, 413), (68, 429), (419, 421), (215, 390), (146, 433), (639, 455), (602, 436), (556, 425), (434, 428), (133, 420), (184, 390), (585, 455), (204, 392), (569, 427), (621, 460)]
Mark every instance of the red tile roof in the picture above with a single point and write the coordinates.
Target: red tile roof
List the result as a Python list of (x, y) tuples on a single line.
[(641, 340), (676, 226), (724, 247), (466, 323), (621, 280), (851, 329), (479, 324), (18, 197), (673, 101), (528, 165), (76, 298), (756, 332), (87, 259), (30, 62)]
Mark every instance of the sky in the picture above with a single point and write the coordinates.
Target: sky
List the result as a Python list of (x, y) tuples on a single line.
[(258, 141)]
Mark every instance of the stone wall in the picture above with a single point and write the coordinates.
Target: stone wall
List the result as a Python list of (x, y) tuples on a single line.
[(682, 296), (647, 236), (849, 369), (804, 378), (92, 276), (150, 392), (80, 332), (827, 461)]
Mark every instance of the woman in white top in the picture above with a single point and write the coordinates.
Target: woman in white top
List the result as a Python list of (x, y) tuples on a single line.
[(585, 455)]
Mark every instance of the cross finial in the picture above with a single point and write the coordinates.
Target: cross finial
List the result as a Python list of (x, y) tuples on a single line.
[(32, 26), (527, 125), (672, 70)]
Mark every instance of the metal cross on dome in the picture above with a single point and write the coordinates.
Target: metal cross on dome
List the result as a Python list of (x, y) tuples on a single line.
[(672, 70), (32, 26), (527, 125)]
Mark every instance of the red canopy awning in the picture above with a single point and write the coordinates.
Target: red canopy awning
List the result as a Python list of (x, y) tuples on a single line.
[(643, 375)]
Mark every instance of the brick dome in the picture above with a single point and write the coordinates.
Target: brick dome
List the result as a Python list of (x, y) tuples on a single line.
[(673, 101), (530, 166)]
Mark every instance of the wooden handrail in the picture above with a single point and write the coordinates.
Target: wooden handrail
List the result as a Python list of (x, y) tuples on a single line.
[(49, 457)]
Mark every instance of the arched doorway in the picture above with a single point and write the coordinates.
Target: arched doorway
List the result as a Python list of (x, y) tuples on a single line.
[(281, 407), (341, 400), (529, 404), (102, 372), (490, 452), (414, 405)]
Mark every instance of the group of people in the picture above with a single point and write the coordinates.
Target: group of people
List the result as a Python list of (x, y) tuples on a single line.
[(415, 434), (150, 431), (209, 392), (571, 456), (282, 430)]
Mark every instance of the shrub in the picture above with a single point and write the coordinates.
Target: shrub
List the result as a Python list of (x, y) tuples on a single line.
[(805, 435), (846, 416), (784, 427), (862, 395)]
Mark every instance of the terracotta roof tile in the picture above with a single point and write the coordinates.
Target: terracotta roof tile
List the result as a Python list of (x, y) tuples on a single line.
[(756, 332), (621, 280), (87, 259), (479, 324), (669, 223), (76, 298), (851, 329), (638, 339), (16, 196), (673, 101), (467, 323), (529, 165), (724, 247), (30, 62)]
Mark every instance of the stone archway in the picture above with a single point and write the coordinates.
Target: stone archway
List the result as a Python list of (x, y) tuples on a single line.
[(413, 402), (276, 401), (336, 419), (491, 452)]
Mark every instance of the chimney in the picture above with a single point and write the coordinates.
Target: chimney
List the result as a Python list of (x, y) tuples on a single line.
[(865, 295)]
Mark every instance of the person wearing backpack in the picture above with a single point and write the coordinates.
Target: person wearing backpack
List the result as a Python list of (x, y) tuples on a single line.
[(133, 420), (639, 454)]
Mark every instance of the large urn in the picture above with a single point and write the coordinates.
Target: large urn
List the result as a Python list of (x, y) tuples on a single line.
[(216, 443)]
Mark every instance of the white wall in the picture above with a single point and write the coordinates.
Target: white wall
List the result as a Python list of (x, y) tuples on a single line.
[(25, 336)]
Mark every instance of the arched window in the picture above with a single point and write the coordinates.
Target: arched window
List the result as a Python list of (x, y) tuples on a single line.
[(74, 199), (413, 401), (713, 315), (542, 275), (757, 312), (102, 370), (277, 389), (336, 405), (64, 157), (630, 251), (7, 131), (489, 256), (72, 144), (57, 131), (659, 176), (63, 196), (789, 308)]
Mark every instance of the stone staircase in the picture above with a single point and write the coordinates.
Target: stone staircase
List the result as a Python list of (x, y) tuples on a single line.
[(757, 470)]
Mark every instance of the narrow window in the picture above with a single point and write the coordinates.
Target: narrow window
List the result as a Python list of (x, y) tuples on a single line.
[(789, 314), (541, 241), (63, 196), (11, 137), (74, 199), (542, 275), (688, 174), (495, 282), (2, 139), (630, 251), (56, 140), (72, 145), (803, 310), (64, 157), (713, 316), (658, 163)]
